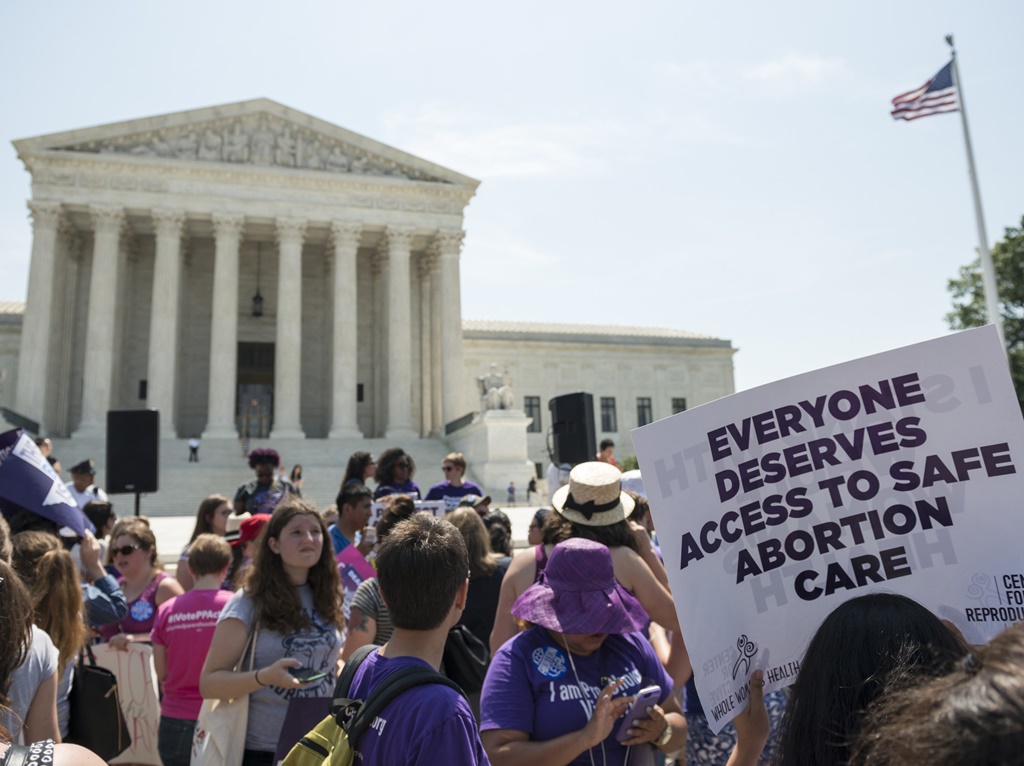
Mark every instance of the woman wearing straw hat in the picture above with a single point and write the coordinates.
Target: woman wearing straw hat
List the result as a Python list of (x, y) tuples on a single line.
[(592, 505), (553, 694)]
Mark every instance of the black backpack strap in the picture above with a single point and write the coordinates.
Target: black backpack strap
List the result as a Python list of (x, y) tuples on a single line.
[(348, 672), (390, 688)]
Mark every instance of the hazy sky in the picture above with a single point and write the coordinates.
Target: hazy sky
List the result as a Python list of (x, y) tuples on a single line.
[(723, 167)]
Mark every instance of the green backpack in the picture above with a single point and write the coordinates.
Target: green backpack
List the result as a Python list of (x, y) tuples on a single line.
[(335, 739)]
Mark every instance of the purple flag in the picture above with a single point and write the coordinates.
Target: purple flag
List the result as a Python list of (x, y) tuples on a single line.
[(28, 481)]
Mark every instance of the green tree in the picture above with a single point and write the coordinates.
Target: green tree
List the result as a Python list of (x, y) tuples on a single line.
[(628, 463), (969, 299)]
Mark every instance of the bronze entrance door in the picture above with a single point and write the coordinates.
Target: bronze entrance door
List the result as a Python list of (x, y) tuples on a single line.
[(255, 402)]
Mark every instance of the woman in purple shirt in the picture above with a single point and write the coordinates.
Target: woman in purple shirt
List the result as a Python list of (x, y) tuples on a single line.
[(395, 469), (554, 693)]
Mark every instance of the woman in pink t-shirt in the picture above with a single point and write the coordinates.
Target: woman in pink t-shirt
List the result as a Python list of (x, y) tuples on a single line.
[(181, 638)]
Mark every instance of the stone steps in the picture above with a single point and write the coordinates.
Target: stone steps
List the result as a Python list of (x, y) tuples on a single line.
[(222, 468)]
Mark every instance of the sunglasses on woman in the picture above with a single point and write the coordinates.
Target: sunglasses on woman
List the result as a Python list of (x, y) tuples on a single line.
[(127, 550)]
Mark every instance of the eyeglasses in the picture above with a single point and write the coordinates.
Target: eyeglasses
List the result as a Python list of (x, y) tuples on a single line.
[(447, 468), (402, 464), (127, 550)]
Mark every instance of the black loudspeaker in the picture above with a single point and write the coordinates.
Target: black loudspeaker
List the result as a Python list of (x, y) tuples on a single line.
[(572, 428), (133, 451)]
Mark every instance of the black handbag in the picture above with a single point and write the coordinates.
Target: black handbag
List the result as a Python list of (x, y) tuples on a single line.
[(465, 659), (96, 720)]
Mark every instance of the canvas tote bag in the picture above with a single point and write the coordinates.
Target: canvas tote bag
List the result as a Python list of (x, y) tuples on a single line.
[(220, 729)]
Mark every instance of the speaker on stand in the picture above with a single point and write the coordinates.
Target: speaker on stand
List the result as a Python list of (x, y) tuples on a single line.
[(572, 428), (133, 452)]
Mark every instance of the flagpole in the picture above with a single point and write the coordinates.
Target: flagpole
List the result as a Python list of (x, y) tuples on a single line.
[(988, 272)]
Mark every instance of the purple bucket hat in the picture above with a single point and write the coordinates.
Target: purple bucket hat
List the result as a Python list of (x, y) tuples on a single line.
[(578, 593)]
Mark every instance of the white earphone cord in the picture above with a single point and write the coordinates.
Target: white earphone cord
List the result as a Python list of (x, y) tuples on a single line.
[(590, 752)]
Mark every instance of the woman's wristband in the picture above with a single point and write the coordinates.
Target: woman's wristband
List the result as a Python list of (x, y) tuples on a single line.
[(257, 676)]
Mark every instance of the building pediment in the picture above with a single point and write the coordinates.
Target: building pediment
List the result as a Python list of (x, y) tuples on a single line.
[(258, 133)]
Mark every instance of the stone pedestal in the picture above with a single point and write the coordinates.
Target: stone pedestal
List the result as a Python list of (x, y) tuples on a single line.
[(495, 446)]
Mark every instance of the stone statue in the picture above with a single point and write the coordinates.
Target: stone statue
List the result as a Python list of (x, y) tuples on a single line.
[(237, 149), (263, 145), (495, 391), (359, 164), (284, 154), (311, 155), (337, 161), (155, 147), (186, 145), (210, 148)]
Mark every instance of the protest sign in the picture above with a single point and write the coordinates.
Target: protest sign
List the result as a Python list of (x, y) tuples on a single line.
[(435, 507), (353, 569), (899, 472), (140, 700), (28, 481)]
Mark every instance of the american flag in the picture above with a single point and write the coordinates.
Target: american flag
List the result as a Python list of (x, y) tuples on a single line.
[(936, 96)]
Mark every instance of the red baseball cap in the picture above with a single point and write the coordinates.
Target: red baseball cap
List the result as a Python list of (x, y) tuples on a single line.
[(250, 528)]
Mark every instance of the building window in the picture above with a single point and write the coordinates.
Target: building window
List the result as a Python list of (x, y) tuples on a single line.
[(532, 406), (143, 389), (678, 404), (643, 411), (608, 424), (359, 392)]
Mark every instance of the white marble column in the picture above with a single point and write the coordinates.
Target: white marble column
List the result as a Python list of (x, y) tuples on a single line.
[(66, 292), (345, 362), (379, 269), (163, 319), (37, 328), (427, 362), (100, 330), (399, 381), (288, 346), (437, 369), (449, 245), (220, 418)]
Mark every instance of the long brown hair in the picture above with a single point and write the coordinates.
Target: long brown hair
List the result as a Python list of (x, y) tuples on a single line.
[(50, 574), (482, 561), (278, 606), (204, 516), (15, 631)]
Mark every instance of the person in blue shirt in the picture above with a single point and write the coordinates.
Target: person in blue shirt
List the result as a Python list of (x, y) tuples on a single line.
[(355, 503)]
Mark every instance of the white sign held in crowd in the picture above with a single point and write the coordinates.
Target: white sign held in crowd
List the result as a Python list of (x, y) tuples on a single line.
[(900, 472), (140, 699)]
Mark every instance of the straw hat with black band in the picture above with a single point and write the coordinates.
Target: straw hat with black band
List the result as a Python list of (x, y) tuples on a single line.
[(593, 497), (234, 527)]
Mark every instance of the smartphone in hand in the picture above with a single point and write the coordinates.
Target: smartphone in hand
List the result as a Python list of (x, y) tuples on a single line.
[(307, 675), (646, 697)]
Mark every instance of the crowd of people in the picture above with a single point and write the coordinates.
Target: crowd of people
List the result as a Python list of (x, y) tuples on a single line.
[(579, 624)]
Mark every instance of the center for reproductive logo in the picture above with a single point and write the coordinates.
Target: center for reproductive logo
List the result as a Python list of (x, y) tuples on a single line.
[(747, 650)]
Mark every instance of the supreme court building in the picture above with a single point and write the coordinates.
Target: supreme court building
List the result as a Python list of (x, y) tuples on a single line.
[(248, 268)]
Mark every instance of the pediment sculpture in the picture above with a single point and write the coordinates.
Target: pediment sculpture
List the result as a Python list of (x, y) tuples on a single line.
[(255, 139)]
